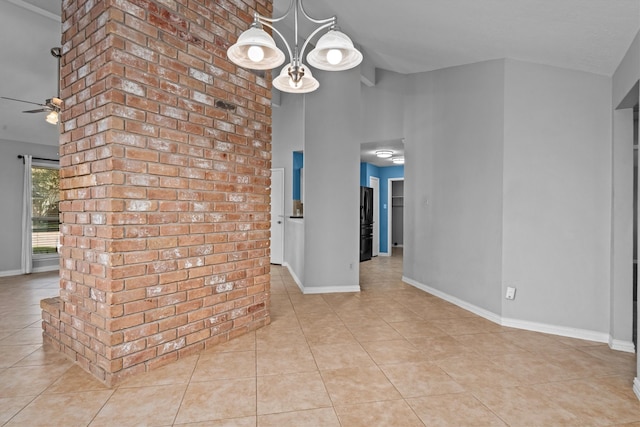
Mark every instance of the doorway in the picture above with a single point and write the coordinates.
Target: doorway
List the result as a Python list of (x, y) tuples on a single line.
[(277, 216), (395, 220), (375, 184)]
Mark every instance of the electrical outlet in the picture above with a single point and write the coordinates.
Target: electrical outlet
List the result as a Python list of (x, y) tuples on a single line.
[(511, 293)]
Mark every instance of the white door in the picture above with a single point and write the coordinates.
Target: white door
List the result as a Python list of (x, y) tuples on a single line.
[(277, 216), (375, 184)]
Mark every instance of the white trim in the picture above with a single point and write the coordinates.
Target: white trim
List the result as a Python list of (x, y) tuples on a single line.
[(385, 254), (564, 331), (26, 248), (389, 213), (8, 273), (329, 289), (319, 289), (39, 11), (375, 249), (626, 346), (277, 257), (636, 387), (469, 307)]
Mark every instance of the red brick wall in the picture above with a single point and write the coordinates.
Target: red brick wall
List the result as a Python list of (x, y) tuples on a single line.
[(165, 164)]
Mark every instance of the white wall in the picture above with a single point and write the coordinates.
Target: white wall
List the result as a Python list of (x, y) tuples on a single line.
[(627, 73), (287, 137), (453, 182), (626, 93), (383, 108), (621, 291), (332, 158), (11, 169), (557, 196)]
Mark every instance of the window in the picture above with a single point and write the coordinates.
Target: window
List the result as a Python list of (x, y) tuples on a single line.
[(45, 199)]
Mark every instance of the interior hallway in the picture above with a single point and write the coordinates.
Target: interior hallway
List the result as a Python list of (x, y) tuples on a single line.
[(391, 355)]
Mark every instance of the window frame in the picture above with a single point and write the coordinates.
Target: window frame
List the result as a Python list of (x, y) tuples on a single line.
[(44, 164)]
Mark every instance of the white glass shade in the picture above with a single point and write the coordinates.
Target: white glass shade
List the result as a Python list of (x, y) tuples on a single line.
[(52, 118), (284, 82), (264, 51), (326, 52)]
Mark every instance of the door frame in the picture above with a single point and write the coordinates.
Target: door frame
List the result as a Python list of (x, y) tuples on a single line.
[(390, 214), (280, 184), (376, 214)]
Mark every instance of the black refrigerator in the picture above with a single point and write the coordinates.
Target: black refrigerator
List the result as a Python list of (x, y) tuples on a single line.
[(366, 223)]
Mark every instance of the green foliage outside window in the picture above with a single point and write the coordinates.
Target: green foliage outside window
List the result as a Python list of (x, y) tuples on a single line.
[(45, 214)]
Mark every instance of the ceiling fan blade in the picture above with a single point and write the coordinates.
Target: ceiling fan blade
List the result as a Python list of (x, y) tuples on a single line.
[(41, 110), (21, 100)]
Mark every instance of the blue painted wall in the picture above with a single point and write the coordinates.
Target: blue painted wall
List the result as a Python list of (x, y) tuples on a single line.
[(298, 163), (384, 174)]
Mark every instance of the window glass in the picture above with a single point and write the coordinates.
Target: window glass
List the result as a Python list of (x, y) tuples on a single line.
[(45, 214)]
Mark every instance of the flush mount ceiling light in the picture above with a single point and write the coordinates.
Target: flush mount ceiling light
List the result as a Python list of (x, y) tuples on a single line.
[(398, 160), (384, 154), (256, 49)]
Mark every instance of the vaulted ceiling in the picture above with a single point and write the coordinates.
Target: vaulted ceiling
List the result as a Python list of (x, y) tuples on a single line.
[(405, 36), (409, 36)]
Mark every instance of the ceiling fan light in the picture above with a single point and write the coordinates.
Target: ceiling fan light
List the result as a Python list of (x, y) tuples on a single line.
[(52, 118), (256, 50), (384, 154), (285, 82), (334, 52)]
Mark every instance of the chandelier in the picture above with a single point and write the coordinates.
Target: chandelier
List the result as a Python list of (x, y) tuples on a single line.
[(256, 50)]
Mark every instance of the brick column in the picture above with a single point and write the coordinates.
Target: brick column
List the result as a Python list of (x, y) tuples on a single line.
[(165, 162)]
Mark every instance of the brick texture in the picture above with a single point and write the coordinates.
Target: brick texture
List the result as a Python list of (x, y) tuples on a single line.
[(165, 170)]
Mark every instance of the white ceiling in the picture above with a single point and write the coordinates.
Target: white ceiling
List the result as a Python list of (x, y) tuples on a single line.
[(404, 36), (409, 36), (27, 70)]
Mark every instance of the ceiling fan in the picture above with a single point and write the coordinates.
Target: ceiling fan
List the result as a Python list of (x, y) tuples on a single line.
[(51, 105)]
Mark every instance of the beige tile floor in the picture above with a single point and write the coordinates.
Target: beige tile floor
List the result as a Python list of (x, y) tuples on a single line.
[(389, 356)]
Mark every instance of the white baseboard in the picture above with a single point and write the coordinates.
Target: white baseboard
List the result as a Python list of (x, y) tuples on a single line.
[(564, 331), (460, 303), (636, 387), (626, 346), (309, 290), (7, 273)]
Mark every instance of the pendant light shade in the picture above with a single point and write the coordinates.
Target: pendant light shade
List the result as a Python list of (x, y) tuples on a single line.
[(256, 49), (334, 52), (52, 118), (286, 81)]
